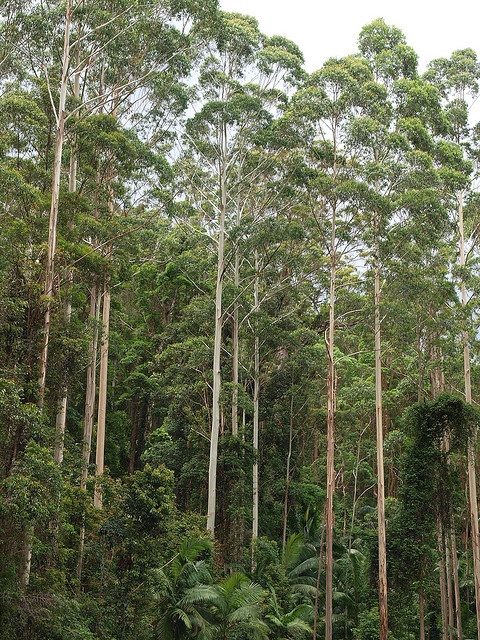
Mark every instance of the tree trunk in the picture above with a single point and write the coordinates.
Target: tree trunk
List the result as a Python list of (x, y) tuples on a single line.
[(449, 576), (235, 357), (61, 418), (256, 395), (329, 516), (456, 585), (60, 423), (50, 265), (52, 230), (235, 339), (472, 482), (382, 537), (317, 585), (102, 396), (287, 477), (472, 490), (442, 579), (135, 417), (90, 391), (437, 386), (94, 316), (212, 469), (421, 612)]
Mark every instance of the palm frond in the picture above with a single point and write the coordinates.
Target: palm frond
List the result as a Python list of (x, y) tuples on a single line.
[(292, 550)]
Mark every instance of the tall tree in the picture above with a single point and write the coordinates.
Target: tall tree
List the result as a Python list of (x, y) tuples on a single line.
[(223, 134), (457, 78), (390, 58), (57, 164), (328, 101)]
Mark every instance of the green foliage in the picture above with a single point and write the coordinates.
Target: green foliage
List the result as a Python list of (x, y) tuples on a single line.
[(430, 481), (364, 141), (369, 626), (187, 592)]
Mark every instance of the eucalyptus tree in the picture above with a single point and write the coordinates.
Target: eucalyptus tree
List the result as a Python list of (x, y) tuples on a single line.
[(99, 73), (386, 50), (275, 264), (380, 136), (77, 95), (418, 203), (238, 63), (457, 78), (136, 80), (328, 103)]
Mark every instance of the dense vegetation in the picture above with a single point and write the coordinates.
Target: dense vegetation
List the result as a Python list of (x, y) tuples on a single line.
[(234, 297)]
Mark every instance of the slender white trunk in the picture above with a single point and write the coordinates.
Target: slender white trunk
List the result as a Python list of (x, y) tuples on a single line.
[(287, 477), (382, 537), (28, 547), (94, 315), (88, 420), (212, 469), (52, 230), (256, 395), (443, 583), (437, 387), (235, 339), (235, 358), (102, 395), (456, 585), (449, 576), (472, 481), (51, 250), (61, 418), (329, 516), (60, 423)]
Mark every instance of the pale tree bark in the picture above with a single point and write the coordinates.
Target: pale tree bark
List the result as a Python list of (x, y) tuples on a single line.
[(287, 476), (61, 418), (329, 515), (103, 376), (94, 318), (456, 585), (90, 391), (453, 583), (235, 337), (212, 469), (437, 386), (52, 230), (449, 576), (472, 481), (239, 523), (235, 360), (382, 536), (27, 552), (102, 396), (256, 396), (51, 250), (235, 318), (60, 421), (443, 581)]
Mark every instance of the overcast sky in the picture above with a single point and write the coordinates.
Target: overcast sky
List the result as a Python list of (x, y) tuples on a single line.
[(330, 28)]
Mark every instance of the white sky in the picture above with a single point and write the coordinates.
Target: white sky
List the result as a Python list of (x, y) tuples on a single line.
[(328, 29)]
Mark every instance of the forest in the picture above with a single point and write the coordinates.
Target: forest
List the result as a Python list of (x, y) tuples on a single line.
[(239, 330)]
